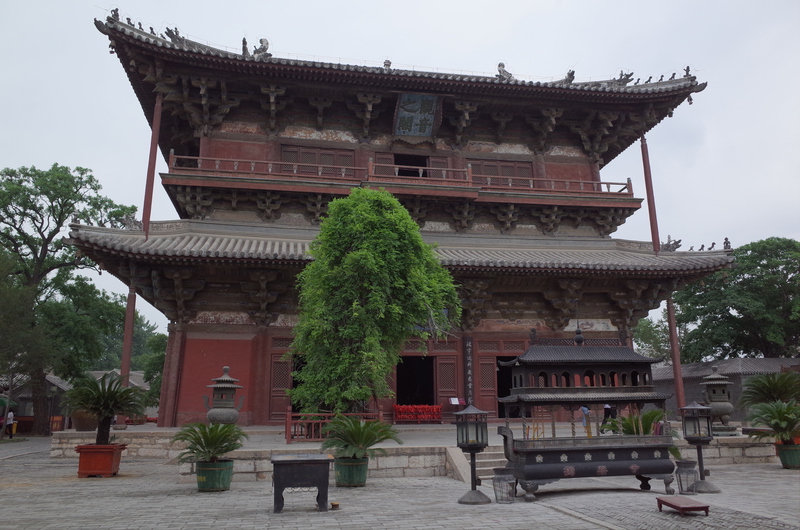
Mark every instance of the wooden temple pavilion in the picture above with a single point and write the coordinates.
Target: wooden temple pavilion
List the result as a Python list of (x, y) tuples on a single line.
[(503, 174)]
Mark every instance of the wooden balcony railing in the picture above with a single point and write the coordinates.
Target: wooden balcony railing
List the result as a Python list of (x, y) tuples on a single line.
[(309, 427), (388, 174)]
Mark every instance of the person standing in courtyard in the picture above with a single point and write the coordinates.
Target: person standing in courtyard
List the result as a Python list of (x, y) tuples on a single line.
[(587, 426), (10, 424), (609, 415)]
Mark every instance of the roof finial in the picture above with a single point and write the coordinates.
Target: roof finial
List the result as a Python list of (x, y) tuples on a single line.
[(578, 336), (261, 53), (503, 74)]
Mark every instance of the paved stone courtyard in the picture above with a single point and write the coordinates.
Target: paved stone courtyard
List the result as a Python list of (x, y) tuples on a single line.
[(45, 493)]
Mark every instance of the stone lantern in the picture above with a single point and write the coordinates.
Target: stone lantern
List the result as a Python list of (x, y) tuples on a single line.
[(716, 392), (223, 407)]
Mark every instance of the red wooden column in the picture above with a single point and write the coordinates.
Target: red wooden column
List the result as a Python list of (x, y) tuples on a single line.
[(651, 201), (171, 378), (673, 333), (259, 392), (151, 166)]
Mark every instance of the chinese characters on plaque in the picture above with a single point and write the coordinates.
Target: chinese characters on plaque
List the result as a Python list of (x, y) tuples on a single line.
[(416, 115)]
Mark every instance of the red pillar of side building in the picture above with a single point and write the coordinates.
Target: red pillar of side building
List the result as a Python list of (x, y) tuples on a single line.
[(171, 377)]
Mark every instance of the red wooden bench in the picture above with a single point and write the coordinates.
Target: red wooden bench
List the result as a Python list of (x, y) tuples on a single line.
[(682, 504)]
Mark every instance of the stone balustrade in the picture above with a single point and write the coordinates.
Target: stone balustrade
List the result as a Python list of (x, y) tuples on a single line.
[(401, 461)]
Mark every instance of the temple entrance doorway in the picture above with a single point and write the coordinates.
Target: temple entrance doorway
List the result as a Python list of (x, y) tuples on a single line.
[(504, 387), (415, 381)]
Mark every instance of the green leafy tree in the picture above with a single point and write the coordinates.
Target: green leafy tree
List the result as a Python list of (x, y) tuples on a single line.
[(143, 331), (35, 208), (752, 310), (153, 366), (651, 338), (373, 284)]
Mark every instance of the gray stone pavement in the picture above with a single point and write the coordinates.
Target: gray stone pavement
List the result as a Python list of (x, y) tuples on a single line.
[(40, 492)]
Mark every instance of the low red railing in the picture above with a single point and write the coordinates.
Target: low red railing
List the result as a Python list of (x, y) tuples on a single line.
[(534, 185), (309, 427), (390, 173)]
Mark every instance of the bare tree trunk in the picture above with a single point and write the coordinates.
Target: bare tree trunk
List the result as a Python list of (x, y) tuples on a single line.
[(41, 411)]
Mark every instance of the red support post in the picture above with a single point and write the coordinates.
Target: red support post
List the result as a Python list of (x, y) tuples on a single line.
[(651, 201), (151, 166)]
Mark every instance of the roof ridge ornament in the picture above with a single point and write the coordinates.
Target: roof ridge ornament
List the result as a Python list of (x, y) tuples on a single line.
[(503, 74), (260, 53)]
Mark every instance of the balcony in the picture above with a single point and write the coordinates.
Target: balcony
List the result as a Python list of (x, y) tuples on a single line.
[(396, 178)]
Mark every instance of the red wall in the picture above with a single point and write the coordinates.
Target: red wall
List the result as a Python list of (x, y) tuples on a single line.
[(203, 360)]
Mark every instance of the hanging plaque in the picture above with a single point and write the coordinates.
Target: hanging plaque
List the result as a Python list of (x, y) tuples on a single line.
[(416, 117)]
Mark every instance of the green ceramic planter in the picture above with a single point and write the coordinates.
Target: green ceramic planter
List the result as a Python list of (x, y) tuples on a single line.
[(789, 455), (351, 472), (214, 476)]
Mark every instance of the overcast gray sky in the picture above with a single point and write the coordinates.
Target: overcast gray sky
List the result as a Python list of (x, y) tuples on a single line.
[(726, 166)]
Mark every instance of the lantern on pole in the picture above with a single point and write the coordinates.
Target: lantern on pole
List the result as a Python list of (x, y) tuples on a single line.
[(472, 437), (697, 431)]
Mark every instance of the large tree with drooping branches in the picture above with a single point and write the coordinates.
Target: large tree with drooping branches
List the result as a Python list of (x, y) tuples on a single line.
[(373, 285)]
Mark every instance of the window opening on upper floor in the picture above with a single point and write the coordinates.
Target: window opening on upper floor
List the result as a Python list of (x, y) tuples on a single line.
[(317, 161)]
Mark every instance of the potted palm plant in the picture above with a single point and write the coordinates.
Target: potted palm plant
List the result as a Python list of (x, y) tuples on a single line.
[(205, 447), (103, 399), (352, 440), (782, 422), (768, 388)]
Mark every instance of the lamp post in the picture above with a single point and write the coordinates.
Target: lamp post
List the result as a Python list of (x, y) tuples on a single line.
[(472, 437), (697, 432)]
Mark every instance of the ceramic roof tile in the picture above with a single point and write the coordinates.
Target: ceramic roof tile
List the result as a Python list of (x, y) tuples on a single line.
[(221, 240), (570, 354)]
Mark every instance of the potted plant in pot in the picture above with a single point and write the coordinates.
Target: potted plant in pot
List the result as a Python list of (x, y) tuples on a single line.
[(103, 399), (352, 440), (206, 446), (782, 422)]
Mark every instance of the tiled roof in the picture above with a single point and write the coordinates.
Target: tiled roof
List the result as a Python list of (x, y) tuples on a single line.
[(591, 397), (180, 44), (198, 239), (572, 354), (727, 367), (605, 259), (241, 241)]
